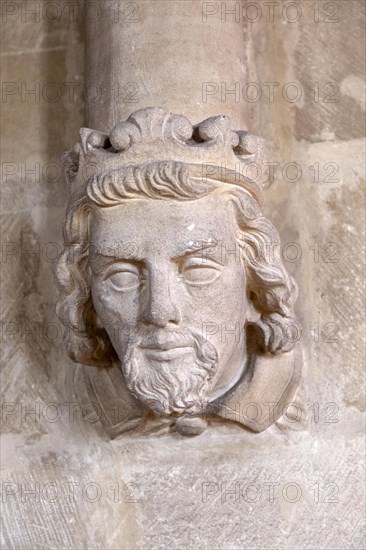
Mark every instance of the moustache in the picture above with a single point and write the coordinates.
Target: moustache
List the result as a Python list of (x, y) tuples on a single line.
[(164, 339)]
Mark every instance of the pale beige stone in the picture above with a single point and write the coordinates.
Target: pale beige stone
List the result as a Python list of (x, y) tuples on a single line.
[(122, 77), (150, 288), (171, 471)]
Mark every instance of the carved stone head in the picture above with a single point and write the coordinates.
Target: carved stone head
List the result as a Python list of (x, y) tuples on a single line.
[(172, 289)]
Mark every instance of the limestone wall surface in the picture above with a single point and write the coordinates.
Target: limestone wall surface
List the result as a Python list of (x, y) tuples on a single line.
[(300, 484)]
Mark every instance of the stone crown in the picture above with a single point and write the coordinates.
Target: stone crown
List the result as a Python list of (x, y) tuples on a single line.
[(155, 134)]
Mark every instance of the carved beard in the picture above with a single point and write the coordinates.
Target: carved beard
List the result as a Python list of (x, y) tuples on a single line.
[(181, 385)]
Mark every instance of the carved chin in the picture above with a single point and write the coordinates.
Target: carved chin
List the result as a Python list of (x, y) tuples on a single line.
[(175, 383)]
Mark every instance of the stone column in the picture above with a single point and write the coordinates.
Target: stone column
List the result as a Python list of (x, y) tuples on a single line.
[(163, 53)]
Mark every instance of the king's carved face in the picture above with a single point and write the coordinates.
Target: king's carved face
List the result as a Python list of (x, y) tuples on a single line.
[(169, 286), (168, 259)]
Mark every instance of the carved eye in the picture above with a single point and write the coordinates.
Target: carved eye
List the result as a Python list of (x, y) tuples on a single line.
[(124, 280), (200, 272)]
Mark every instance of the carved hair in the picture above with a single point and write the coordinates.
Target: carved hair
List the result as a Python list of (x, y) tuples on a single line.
[(270, 288)]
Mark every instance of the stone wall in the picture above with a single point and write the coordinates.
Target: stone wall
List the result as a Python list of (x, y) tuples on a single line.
[(300, 483)]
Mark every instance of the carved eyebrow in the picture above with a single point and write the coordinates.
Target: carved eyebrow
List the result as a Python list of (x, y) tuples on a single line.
[(199, 248), (100, 262), (130, 254), (123, 252)]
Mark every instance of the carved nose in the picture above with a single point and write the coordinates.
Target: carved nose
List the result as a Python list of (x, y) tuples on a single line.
[(159, 308)]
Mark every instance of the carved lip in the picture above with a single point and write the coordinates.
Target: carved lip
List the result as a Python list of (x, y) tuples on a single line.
[(164, 346), (167, 354), (165, 342)]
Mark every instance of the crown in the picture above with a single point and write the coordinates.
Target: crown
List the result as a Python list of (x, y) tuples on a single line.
[(155, 134)]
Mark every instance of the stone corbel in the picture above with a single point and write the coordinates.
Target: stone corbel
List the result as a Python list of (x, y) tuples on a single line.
[(127, 314)]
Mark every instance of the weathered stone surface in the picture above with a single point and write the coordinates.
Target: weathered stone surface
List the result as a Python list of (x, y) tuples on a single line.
[(335, 85), (169, 470), (150, 288), (130, 80)]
